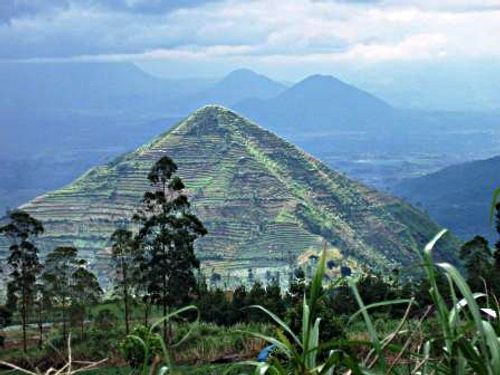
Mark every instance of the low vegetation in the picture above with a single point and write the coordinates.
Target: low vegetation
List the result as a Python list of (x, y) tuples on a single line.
[(173, 320)]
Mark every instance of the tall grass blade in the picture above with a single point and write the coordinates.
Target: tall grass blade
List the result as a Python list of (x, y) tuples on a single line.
[(496, 197), (377, 345), (280, 322)]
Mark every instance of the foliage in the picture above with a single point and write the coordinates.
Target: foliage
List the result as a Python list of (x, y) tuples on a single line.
[(125, 250), (70, 284), (476, 257), (133, 350), (23, 260), (151, 348), (468, 342), (105, 320), (302, 352), (5, 320), (167, 234)]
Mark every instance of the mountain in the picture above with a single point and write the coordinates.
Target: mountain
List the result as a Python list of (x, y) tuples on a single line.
[(264, 202), (319, 103), (237, 86), (458, 197), (243, 84)]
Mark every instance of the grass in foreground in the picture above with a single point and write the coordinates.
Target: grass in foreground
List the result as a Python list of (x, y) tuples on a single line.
[(466, 339)]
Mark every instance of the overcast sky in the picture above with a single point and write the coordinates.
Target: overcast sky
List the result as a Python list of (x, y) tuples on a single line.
[(285, 38)]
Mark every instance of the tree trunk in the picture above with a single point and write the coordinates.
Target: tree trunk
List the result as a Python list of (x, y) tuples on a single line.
[(125, 292), (24, 318), (40, 327), (64, 321), (164, 310)]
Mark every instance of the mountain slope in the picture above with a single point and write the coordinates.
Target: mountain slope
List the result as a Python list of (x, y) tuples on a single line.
[(458, 197), (319, 103), (264, 202)]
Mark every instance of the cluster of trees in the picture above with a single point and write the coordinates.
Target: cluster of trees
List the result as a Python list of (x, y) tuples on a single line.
[(154, 265), (157, 264), (62, 284), (481, 263)]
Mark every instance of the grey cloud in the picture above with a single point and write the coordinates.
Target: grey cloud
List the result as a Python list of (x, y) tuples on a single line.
[(12, 9)]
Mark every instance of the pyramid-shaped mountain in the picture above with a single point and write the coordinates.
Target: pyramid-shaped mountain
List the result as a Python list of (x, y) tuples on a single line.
[(264, 202)]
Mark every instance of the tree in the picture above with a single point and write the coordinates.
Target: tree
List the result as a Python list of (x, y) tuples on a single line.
[(238, 304), (60, 266), (256, 296), (497, 245), (274, 299), (85, 292), (23, 260), (41, 304), (476, 257), (167, 234), (124, 252), (11, 302), (5, 320)]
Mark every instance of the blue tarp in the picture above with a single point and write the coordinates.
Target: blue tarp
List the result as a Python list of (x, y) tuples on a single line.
[(265, 353)]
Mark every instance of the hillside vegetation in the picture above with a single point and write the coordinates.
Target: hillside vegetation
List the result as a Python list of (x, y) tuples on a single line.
[(263, 201), (457, 197)]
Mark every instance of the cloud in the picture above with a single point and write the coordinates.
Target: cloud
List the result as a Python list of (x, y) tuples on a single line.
[(261, 31), (12, 9)]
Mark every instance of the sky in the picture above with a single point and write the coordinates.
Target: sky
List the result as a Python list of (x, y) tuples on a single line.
[(428, 54), (287, 39)]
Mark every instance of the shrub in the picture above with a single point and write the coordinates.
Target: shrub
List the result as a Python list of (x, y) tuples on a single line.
[(105, 319), (140, 346)]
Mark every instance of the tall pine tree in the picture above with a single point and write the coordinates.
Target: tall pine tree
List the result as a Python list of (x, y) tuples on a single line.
[(167, 234), (60, 266), (124, 253), (23, 260)]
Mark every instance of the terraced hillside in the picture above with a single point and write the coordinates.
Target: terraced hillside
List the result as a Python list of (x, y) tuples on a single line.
[(263, 201)]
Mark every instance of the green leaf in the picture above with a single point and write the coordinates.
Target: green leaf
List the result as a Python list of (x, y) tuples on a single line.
[(369, 324), (380, 304), (282, 324)]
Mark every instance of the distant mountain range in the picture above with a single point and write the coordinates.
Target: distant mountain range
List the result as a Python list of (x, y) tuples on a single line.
[(265, 203), (59, 119), (458, 197)]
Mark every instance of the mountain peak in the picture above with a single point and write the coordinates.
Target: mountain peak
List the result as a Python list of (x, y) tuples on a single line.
[(245, 81), (244, 73), (325, 85), (321, 78), (210, 109)]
